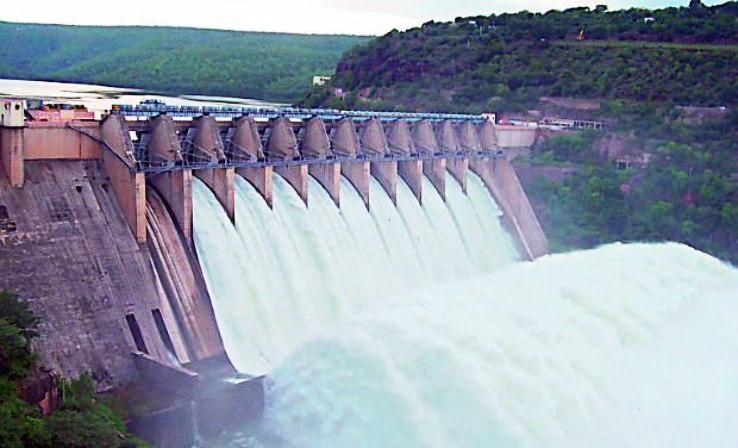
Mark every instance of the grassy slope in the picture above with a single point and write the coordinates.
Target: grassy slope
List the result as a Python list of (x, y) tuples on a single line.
[(270, 66)]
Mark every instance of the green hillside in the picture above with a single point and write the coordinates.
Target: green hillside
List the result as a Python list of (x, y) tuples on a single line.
[(637, 65), (687, 55), (268, 66)]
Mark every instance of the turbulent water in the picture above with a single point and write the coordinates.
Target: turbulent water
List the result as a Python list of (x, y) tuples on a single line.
[(414, 326)]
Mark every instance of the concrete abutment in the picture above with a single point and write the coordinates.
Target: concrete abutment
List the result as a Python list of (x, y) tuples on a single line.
[(175, 187), (11, 155), (358, 174), (297, 177), (328, 176), (386, 175), (411, 172), (458, 169), (221, 182), (435, 171), (261, 180)]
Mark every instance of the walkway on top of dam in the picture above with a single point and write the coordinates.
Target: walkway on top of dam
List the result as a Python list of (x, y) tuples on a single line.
[(256, 137)]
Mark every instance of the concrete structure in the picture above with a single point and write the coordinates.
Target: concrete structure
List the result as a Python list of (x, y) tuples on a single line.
[(120, 209)]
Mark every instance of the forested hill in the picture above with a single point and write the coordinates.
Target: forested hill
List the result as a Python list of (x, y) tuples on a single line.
[(268, 66), (688, 55)]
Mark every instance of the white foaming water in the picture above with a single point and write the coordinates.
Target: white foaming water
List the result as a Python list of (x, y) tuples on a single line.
[(369, 342), (279, 276)]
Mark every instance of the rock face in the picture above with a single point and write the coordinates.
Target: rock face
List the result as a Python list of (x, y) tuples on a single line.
[(66, 250)]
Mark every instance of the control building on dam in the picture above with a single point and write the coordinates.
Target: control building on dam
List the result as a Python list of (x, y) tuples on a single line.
[(96, 215)]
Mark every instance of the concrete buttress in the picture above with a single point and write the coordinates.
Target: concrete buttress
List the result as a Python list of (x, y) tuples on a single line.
[(315, 144), (175, 187), (129, 187), (208, 142)]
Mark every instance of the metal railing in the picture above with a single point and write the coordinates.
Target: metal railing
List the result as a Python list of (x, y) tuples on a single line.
[(159, 166), (154, 109)]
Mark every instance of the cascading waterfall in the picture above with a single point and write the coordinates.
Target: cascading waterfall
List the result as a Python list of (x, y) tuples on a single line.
[(412, 326), (280, 275)]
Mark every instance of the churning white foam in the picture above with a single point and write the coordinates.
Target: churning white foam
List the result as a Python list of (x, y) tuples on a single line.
[(412, 327)]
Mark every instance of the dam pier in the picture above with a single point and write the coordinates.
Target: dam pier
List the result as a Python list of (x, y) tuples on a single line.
[(96, 216)]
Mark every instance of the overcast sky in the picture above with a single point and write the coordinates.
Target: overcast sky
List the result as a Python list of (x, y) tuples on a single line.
[(299, 16)]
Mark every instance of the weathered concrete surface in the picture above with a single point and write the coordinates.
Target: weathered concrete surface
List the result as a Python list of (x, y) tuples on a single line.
[(344, 140), (500, 179), (411, 172), (166, 377), (175, 187), (435, 170), (329, 176), (399, 139), (372, 138), (245, 140), (281, 142), (56, 141), (505, 175), (129, 188), (358, 174), (261, 179), (72, 258), (469, 137), (297, 177), (163, 142), (515, 136), (187, 311), (487, 136), (424, 138), (314, 141), (458, 169), (386, 175), (448, 140), (11, 155), (221, 182), (207, 138)]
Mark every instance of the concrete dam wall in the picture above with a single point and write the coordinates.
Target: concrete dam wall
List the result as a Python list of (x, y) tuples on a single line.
[(96, 226), (67, 251)]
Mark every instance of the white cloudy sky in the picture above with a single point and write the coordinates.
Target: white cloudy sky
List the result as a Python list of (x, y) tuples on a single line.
[(300, 16)]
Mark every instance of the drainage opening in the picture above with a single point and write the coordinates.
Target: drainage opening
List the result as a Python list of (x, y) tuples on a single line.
[(163, 332), (136, 333)]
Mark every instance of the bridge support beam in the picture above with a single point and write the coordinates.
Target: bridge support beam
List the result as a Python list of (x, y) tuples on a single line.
[(458, 169), (386, 174), (175, 187), (297, 176), (261, 179), (221, 182), (129, 187), (435, 170), (411, 172), (358, 174), (12, 155), (329, 176)]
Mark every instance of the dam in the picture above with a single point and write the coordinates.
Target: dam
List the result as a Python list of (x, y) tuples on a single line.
[(116, 218), (359, 279)]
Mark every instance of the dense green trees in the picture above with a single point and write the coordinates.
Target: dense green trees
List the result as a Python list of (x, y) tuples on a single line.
[(267, 66), (83, 419), (508, 61), (688, 193)]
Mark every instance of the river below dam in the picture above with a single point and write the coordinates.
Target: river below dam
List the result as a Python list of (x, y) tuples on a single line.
[(417, 326)]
